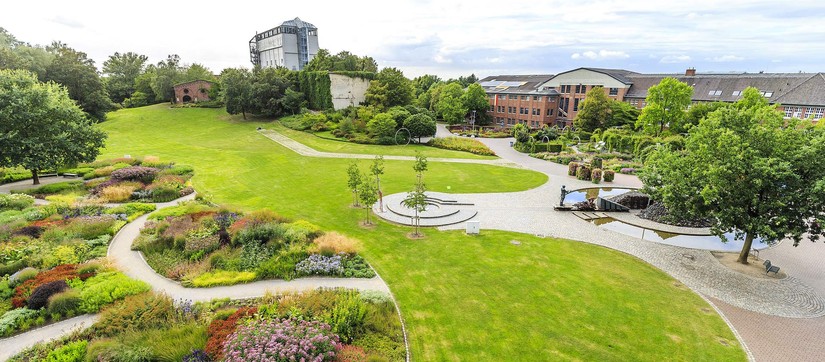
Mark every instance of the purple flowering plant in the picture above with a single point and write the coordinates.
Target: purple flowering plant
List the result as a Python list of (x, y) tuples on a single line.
[(281, 340), (317, 264)]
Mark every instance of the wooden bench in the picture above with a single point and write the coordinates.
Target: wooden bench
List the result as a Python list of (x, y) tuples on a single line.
[(69, 175), (770, 267), (48, 174)]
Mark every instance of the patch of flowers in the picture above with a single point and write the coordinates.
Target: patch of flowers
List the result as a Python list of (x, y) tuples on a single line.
[(317, 264), (282, 340)]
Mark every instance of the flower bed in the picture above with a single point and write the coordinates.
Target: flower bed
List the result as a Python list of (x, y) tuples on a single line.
[(121, 180), (461, 144), (320, 325), (202, 246), (30, 300)]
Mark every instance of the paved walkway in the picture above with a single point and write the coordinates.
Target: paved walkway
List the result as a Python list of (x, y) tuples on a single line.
[(16, 344)]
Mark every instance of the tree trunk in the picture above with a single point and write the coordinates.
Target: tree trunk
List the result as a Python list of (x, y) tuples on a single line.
[(746, 249), (35, 178), (368, 215), (243, 112)]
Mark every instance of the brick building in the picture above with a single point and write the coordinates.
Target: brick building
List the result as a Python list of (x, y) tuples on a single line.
[(194, 91), (520, 99), (800, 95)]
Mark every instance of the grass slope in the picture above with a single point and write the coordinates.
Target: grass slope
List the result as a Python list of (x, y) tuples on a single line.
[(464, 298), (330, 145)]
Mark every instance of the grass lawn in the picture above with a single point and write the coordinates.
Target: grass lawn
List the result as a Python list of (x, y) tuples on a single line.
[(464, 298), (328, 145)]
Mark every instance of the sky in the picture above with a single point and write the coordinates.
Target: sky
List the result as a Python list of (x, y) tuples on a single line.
[(451, 38)]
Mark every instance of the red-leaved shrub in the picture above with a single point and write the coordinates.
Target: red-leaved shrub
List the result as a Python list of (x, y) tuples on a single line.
[(62, 272), (219, 330), (40, 296)]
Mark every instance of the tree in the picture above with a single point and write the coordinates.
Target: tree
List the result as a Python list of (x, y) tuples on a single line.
[(343, 61), (594, 112), (382, 127), (236, 85), (417, 198), (42, 127), (293, 101), (196, 72), (354, 181), (268, 89), (167, 73), (475, 99), (390, 88), (122, 71), (749, 171), (450, 105), (75, 71), (521, 132), (368, 196), (666, 105), (699, 111), (422, 84), (622, 114), (420, 125), (377, 169)]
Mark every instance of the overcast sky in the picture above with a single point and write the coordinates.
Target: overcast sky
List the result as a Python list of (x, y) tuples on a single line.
[(451, 38)]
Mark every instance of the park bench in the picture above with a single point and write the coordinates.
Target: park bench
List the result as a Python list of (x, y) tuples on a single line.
[(69, 175), (770, 267), (47, 174)]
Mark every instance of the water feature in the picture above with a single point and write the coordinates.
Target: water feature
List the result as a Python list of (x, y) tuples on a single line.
[(592, 193), (706, 242)]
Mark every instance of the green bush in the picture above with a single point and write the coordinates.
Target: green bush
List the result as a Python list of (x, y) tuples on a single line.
[(132, 210), (572, 168), (583, 172), (596, 175), (65, 304), (300, 231), (15, 320), (170, 344), (222, 277), (71, 352), (347, 317), (356, 267), (55, 188), (105, 288), (22, 276), (15, 201), (185, 208), (8, 175), (609, 175), (282, 266), (461, 144), (180, 170), (137, 312)]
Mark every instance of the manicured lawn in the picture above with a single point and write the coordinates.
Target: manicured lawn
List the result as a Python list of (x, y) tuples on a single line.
[(328, 145), (464, 298)]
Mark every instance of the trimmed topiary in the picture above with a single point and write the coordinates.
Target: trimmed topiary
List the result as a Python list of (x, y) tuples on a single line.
[(571, 168), (583, 172), (609, 175), (596, 175)]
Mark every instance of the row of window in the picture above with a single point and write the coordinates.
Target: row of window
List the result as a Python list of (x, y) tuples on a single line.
[(521, 110), (517, 97), (581, 89), (513, 121), (797, 112)]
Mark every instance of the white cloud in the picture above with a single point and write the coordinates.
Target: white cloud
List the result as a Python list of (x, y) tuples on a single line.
[(668, 59), (439, 58), (59, 19), (601, 55), (727, 58)]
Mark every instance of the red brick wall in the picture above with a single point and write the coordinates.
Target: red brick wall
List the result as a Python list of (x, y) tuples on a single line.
[(533, 121), (198, 91)]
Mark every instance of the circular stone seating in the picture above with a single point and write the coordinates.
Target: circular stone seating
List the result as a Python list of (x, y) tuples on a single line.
[(440, 211)]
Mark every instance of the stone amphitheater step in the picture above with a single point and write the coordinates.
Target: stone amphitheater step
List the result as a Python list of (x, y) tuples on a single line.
[(459, 217), (403, 212)]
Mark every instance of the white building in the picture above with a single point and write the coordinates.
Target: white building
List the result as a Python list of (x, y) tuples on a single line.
[(291, 45)]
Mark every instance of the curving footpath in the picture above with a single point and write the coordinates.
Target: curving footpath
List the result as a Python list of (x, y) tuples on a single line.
[(134, 265)]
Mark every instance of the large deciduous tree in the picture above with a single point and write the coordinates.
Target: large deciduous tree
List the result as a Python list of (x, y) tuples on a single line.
[(420, 125), (42, 128), (236, 88), (122, 70), (343, 61), (667, 103), (749, 171), (75, 71), (475, 99), (450, 105), (389, 89), (594, 112)]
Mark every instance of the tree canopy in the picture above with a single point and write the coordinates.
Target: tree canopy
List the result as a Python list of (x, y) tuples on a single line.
[(450, 104), (420, 125), (749, 171), (122, 71), (475, 99), (667, 104), (390, 88), (42, 128), (594, 112), (343, 61)]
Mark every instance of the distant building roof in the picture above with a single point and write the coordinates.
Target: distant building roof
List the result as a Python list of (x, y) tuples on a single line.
[(516, 84), (193, 81), (619, 74), (297, 22), (785, 88)]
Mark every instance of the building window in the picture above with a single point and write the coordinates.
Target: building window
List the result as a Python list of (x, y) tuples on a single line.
[(767, 94), (737, 93), (793, 112), (512, 96), (565, 89), (492, 108), (579, 88), (614, 91), (715, 93), (576, 105), (816, 112), (549, 111), (501, 97), (536, 98)]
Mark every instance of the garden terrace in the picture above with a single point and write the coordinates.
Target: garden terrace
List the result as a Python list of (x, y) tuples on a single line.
[(449, 286), (334, 324)]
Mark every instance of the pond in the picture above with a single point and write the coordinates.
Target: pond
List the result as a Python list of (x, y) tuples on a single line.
[(705, 242), (592, 193)]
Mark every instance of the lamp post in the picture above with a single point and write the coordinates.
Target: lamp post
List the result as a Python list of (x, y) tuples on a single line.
[(473, 121)]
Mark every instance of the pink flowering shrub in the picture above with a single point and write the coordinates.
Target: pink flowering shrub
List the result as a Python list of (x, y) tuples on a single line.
[(282, 340)]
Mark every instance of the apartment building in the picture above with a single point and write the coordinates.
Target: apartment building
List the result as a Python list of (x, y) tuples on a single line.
[(520, 99)]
